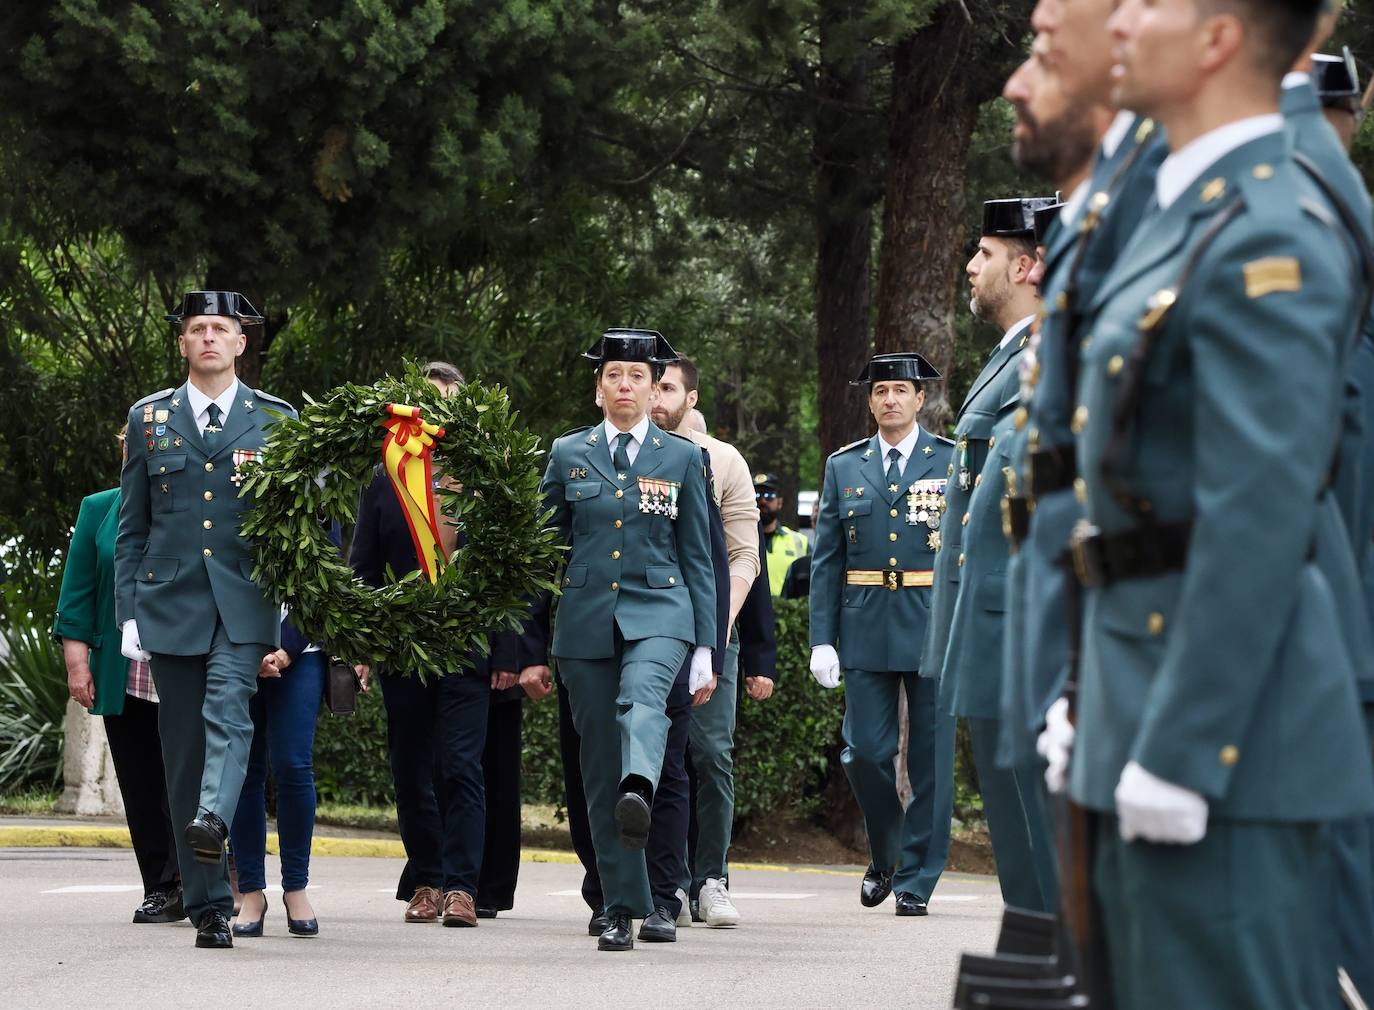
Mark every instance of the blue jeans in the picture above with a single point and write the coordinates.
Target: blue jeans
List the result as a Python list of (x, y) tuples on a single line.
[(284, 712)]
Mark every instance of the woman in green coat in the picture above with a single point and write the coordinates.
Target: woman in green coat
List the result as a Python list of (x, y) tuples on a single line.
[(106, 684)]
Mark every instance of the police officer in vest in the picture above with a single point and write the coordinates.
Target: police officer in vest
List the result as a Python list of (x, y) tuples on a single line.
[(964, 645), (638, 598), (879, 523), (184, 595), (1218, 725), (783, 545)]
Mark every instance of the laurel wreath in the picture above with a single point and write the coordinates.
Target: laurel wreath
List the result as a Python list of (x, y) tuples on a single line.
[(313, 468)]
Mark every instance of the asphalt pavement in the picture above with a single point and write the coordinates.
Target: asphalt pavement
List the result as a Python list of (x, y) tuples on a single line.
[(804, 941)]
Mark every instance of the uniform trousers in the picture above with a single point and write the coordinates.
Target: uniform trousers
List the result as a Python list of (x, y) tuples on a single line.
[(206, 735), (501, 771), (1227, 922), (710, 751), (914, 842), (136, 748), (619, 709), (1022, 838)]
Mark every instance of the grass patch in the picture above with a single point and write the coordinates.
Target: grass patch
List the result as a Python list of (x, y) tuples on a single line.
[(32, 802), (354, 815)]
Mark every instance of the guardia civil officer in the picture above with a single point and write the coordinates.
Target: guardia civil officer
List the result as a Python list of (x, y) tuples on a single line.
[(963, 648), (1102, 209), (880, 520), (1218, 726), (184, 592), (637, 598)]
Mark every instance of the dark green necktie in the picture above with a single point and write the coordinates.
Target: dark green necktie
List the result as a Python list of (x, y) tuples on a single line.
[(212, 429), (894, 471), (621, 458)]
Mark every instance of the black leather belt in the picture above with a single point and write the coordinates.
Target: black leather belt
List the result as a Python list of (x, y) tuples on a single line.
[(1016, 513), (1052, 469), (1100, 559)]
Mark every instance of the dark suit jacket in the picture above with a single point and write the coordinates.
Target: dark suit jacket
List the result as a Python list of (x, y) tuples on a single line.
[(758, 646), (382, 540)]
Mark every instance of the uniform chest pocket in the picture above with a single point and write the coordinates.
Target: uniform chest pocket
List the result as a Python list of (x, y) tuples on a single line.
[(582, 496), (167, 479), (854, 518)]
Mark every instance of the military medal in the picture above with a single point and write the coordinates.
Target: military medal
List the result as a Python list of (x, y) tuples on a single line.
[(151, 444), (164, 488), (965, 477), (148, 432), (577, 473), (148, 413), (161, 429), (177, 442), (933, 541), (925, 504), (163, 443), (849, 492), (161, 417), (240, 457), (858, 492)]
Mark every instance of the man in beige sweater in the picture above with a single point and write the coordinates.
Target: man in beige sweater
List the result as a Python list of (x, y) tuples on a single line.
[(713, 724)]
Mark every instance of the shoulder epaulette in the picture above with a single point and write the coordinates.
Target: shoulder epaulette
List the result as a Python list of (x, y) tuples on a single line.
[(941, 438), (851, 445), (273, 399), (684, 438), (155, 396), (574, 431)]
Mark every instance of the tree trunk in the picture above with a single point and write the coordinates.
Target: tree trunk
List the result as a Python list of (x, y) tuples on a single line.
[(933, 113), (844, 236)]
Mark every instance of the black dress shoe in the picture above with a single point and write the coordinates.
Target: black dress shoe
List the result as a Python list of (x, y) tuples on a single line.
[(618, 935), (486, 913), (161, 906), (876, 887), (213, 930), (909, 904), (242, 927), (205, 835), (632, 813), (299, 927), (598, 924), (660, 927)]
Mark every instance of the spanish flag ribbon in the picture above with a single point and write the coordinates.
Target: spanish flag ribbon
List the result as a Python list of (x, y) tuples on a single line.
[(406, 457)]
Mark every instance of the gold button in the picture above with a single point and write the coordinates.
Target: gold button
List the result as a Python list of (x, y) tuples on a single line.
[(1230, 755), (890, 561), (1022, 416), (615, 586), (209, 496), (1033, 438), (209, 468), (207, 552), (619, 493), (1080, 419), (961, 560), (1080, 490), (949, 470), (162, 469), (992, 441), (1115, 365), (964, 520), (618, 524), (208, 524), (892, 536), (615, 555), (851, 514), (1263, 172), (893, 513), (150, 575), (978, 481), (1155, 623), (672, 580), (1061, 301)]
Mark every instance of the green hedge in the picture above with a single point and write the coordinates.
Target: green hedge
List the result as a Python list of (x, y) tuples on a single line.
[(785, 747)]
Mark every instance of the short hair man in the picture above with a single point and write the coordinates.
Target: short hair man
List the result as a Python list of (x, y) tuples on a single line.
[(785, 548), (183, 591)]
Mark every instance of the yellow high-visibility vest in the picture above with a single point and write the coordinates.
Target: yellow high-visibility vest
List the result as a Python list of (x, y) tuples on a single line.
[(784, 547)]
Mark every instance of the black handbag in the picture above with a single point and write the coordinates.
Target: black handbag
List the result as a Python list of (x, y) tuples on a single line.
[(341, 689)]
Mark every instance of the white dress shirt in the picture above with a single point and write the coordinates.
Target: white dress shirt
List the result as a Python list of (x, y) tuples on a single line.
[(638, 434), (1182, 168), (906, 447), (200, 404)]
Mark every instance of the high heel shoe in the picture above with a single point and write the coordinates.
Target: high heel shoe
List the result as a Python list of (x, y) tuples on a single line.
[(299, 927), (251, 928)]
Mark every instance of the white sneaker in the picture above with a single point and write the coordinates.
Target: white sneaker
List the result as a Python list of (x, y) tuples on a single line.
[(684, 917), (716, 907)]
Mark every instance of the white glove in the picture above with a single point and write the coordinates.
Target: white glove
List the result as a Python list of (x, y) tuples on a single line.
[(825, 666), (131, 647), (1055, 745), (1158, 811), (700, 674)]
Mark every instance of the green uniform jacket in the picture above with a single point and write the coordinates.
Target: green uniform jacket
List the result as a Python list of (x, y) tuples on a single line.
[(1229, 677), (632, 565), (992, 395), (971, 678), (86, 609), (864, 524), (180, 563)]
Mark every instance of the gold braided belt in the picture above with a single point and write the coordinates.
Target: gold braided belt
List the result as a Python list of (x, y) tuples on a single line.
[(892, 578)]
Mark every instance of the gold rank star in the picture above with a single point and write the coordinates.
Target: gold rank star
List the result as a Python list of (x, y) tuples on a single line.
[(621, 476), (927, 449), (933, 541), (892, 489)]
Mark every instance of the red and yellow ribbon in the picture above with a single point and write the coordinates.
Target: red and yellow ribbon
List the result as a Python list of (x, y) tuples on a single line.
[(406, 457)]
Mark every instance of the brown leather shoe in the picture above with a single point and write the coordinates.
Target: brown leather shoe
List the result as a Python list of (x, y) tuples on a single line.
[(459, 909), (424, 906)]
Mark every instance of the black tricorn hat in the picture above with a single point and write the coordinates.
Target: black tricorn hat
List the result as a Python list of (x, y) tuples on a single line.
[(621, 344), (905, 365), (1014, 218), (1335, 77), (1044, 217), (215, 303)]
